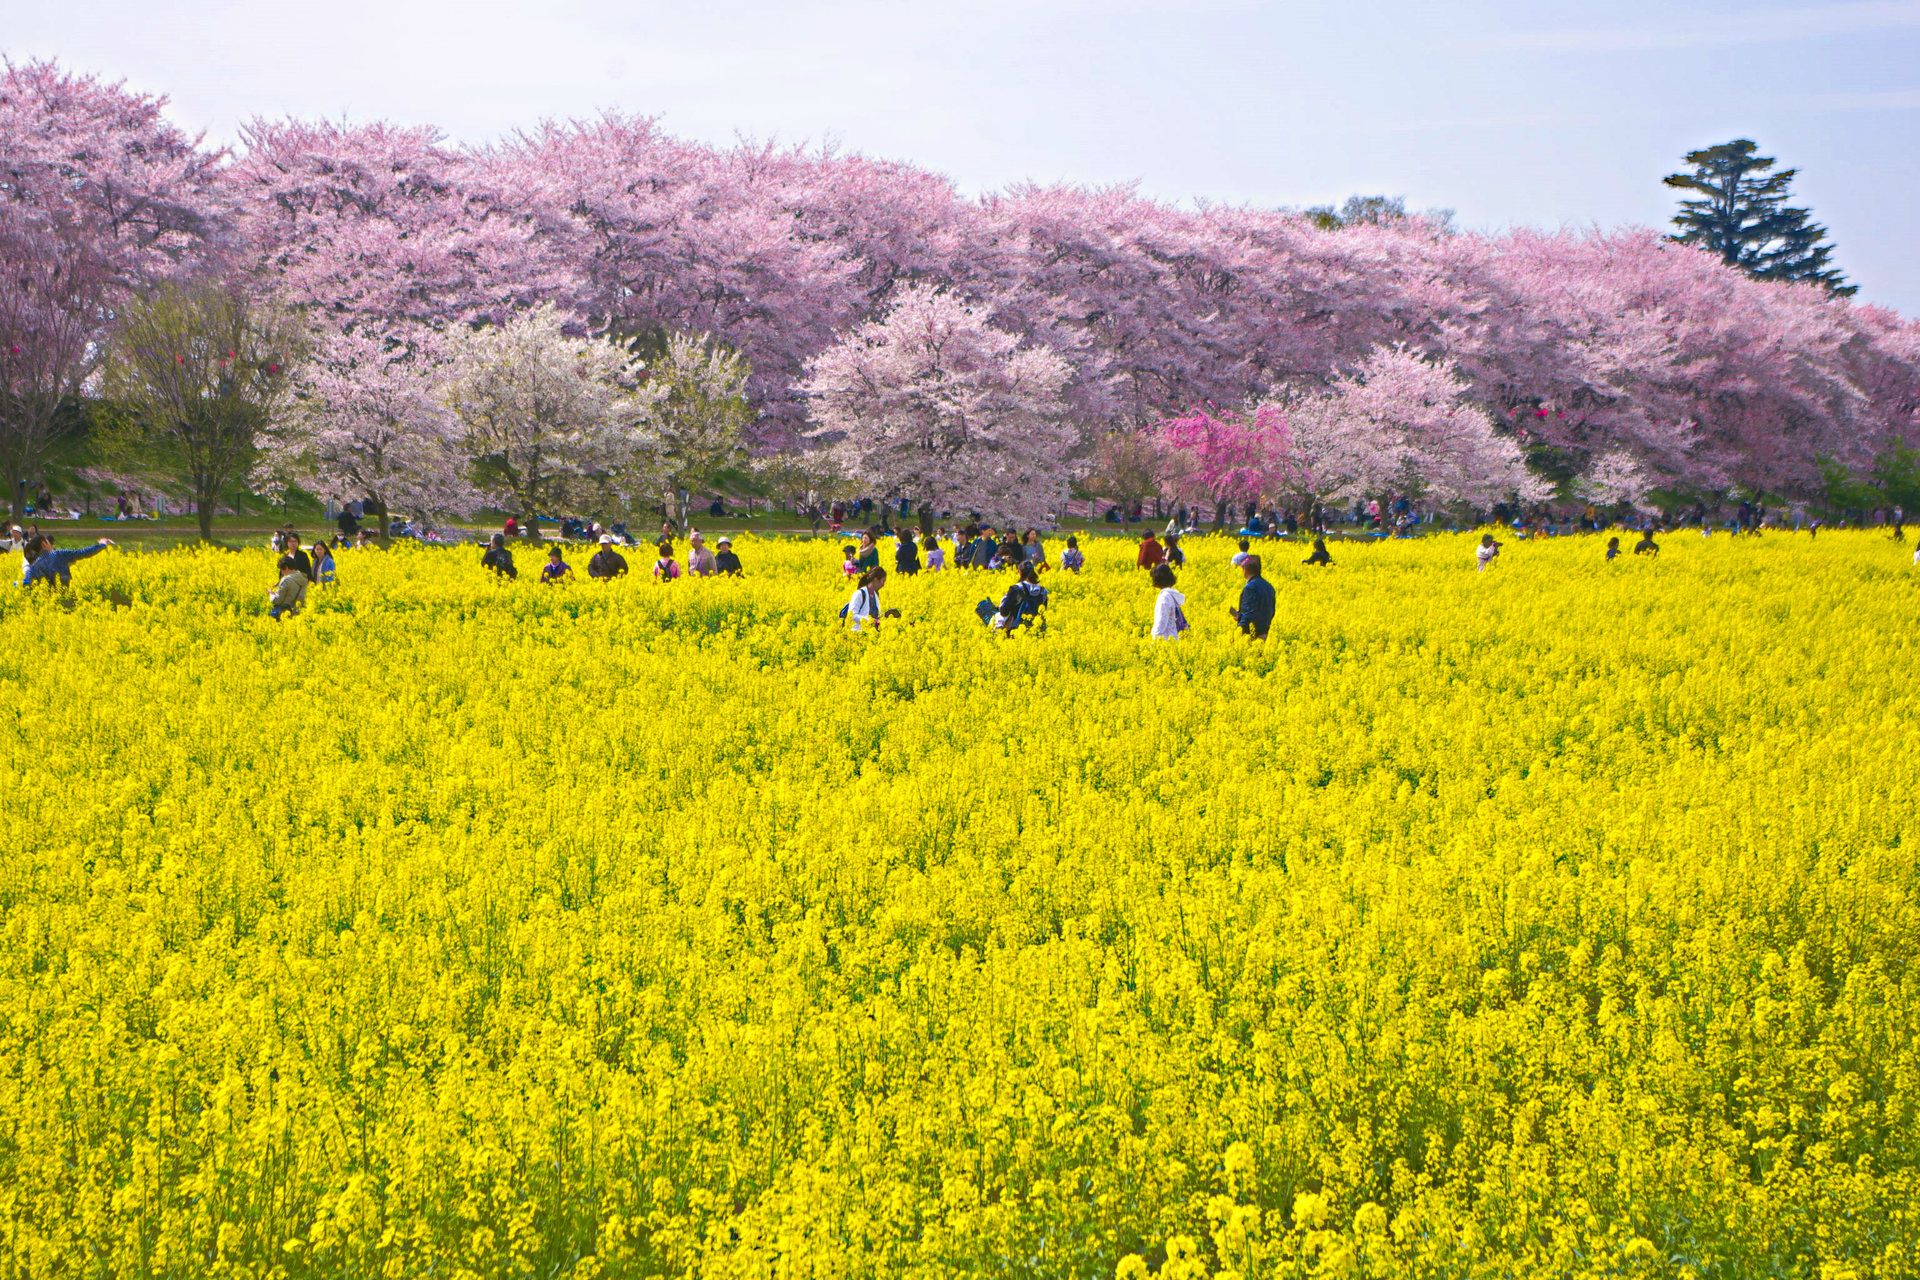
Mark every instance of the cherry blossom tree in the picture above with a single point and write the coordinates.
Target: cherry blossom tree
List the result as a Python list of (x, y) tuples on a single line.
[(55, 300), (699, 414), (935, 405), (1404, 421), (99, 194), (1227, 456), (381, 225), (367, 420), (549, 418)]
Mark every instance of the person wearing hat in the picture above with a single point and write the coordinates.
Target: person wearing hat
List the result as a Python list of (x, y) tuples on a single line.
[(724, 561), (606, 562)]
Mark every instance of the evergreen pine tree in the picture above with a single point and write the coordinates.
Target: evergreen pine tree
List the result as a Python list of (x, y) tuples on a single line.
[(1742, 215)]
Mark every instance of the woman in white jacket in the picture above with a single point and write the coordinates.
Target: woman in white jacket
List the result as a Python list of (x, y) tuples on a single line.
[(1169, 609)]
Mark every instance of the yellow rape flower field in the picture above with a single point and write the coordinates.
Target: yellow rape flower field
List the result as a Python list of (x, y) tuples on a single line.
[(1557, 920)]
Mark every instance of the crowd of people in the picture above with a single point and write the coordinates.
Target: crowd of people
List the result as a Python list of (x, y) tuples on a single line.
[(967, 548)]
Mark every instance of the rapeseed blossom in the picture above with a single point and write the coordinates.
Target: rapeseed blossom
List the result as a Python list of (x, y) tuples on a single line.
[(1558, 919)]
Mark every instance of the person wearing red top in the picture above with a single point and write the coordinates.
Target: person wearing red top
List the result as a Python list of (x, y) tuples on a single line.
[(1151, 553)]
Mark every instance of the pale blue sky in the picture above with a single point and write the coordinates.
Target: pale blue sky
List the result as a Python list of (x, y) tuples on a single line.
[(1507, 111)]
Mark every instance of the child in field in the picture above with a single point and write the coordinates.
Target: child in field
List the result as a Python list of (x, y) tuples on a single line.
[(1613, 549), (1486, 551), (556, 569), (849, 562), (666, 568), (1071, 559), (936, 554)]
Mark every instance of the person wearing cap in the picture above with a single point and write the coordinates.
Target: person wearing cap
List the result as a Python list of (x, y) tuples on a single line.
[(699, 558), (724, 561), (556, 569), (606, 562), (1255, 614)]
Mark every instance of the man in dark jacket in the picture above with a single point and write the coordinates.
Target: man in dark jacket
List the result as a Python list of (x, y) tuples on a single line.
[(498, 558), (606, 562), (301, 560), (1255, 614)]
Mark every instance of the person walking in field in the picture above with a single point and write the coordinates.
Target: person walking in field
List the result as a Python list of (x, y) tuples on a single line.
[(864, 605), (44, 564), (607, 563), (556, 570), (499, 558), (936, 554), (1484, 553), (1169, 606), (1613, 549), (725, 562), (665, 567), (1319, 554), (1255, 612), (1646, 546), (1073, 559), (1244, 551), (906, 555), (1150, 553)]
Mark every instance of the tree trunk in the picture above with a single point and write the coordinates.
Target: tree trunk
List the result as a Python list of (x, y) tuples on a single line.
[(203, 508), (17, 492), (380, 514), (926, 517)]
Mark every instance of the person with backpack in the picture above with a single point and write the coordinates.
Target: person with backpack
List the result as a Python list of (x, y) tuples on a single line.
[(1072, 559), (1019, 606), (864, 606), (665, 567), (1169, 607), (498, 558), (906, 555)]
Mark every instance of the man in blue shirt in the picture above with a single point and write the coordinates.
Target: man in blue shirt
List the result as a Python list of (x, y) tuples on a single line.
[(50, 564), (1255, 614)]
